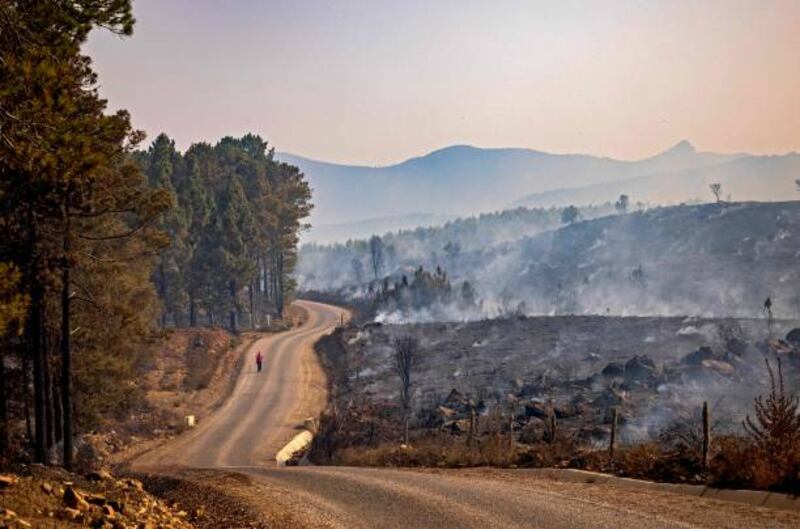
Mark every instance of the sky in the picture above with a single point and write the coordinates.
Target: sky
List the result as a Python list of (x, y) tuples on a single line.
[(374, 82)]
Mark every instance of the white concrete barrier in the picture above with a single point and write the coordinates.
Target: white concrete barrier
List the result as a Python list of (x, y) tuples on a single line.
[(301, 441)]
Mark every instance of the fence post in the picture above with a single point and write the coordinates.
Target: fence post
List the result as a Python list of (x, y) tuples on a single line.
[(552, 425), (706, 435), (613, 441), (471, 434)]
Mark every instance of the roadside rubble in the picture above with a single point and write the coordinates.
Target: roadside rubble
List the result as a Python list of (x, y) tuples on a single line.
[(38, 496)]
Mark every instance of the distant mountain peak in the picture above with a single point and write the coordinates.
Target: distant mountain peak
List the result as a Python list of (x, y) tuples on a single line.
[(682, 147)]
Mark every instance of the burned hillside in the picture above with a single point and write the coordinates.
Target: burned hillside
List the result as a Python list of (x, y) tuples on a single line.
[(653, 371)]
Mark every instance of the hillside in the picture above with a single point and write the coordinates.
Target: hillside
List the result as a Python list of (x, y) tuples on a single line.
[(710, 260), (357, 201), (321, 267), (703, 260)]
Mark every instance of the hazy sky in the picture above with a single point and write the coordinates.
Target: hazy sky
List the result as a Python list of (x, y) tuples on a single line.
[(377, 81)]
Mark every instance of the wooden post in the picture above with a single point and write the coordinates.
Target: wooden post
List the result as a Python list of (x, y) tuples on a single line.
[(706, 435), (613, 441), (511, 428), (552, 425), (471, 434)]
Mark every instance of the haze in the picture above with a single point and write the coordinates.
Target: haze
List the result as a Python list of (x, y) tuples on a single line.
[(377, 82)]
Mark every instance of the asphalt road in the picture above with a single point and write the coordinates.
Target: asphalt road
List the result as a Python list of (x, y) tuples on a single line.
[(266, 409)]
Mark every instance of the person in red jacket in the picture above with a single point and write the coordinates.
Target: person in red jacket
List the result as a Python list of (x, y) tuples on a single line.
[(259, 361)]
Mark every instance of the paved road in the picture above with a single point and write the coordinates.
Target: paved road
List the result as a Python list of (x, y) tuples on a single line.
[(265, 409)]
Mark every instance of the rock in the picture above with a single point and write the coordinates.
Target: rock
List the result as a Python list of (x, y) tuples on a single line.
[(610, 397), (565, 412), (7, 481), (780, 346), (135, 483), (74, 499), (455, 398), (536, 409), (613, 369), (69, 513), (640, 367), (793, 337), (696, 358), (99, 475), (47, 488), (95, 499), (108, 511), (458, 426), (445, 412), (7, 514), (723, 368)]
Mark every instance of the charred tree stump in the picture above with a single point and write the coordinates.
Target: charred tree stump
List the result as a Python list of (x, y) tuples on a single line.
[(706, 436), (613, 441)]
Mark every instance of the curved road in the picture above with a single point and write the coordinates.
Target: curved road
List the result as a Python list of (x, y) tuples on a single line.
[(265, 411)]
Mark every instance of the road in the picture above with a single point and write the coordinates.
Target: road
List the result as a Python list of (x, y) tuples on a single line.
[(266, 409)]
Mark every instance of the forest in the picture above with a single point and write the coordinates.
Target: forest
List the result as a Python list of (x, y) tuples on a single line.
[(234, 227), (103, 240)]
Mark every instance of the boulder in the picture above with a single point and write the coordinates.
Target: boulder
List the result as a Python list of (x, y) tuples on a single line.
[(99, 475), (613, 369), (696, 358), (793, 337), (445, 412), (640, 367), (536, 409), (565, 412), (610, 397), (74, 499), (723, 368)]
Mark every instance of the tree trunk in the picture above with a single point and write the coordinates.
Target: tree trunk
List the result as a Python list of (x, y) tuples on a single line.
[(35, 342), (48, 404), (192, 310), (162, 291), (252, 295), (26, 398), (233, 305), (279, 287), (35, 338), (58, 417), (3, 406), (66, 352)]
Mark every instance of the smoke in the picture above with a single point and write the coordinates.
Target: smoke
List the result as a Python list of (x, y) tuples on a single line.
[(702, 260)]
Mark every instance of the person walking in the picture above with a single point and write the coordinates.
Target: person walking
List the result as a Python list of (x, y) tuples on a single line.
[(259, 361)]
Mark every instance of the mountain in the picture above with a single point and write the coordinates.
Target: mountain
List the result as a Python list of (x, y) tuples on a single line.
[(464, 180), (764, 178)]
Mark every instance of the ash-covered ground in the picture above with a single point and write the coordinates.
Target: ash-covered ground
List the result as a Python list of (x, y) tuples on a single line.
[(655, 371)]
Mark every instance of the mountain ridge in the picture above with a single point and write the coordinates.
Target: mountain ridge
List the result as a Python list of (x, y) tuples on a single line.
[(462, 180)]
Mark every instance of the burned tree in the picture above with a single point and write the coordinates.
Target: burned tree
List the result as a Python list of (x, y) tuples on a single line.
[(621, 205), (406, 357), (716, 190), (376, 256)]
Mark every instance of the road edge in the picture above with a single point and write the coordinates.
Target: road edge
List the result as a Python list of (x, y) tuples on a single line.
[(758, 498)]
